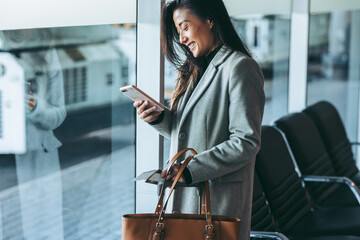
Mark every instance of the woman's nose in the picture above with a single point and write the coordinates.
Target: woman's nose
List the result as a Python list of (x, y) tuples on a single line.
[(182, 38)]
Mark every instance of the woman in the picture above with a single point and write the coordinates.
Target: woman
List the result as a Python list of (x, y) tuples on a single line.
[(38, 170), (216, 108)]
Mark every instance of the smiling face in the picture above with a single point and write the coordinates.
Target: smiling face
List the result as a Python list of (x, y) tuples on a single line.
[(194, 32)]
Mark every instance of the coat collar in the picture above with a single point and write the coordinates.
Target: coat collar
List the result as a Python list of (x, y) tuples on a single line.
[(221, 56), (204, 82)]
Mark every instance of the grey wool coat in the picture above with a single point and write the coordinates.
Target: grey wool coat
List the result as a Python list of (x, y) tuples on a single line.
[(221, 120)]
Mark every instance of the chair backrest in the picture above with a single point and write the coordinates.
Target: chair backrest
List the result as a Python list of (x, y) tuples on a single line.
[(332, 131), (309, 152), (261, 219), (281, 183)]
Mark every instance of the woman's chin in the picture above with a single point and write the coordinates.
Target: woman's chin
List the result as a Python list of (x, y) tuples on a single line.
[(195, 54)]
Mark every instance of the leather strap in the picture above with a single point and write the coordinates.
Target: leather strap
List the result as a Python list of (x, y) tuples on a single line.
[(161, 199), (177, 177), (203, 203), (209, 233), (180, 153), (158, 233)]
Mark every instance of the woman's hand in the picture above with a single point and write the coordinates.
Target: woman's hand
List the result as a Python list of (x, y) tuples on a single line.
[(145, 113), (172, 173)]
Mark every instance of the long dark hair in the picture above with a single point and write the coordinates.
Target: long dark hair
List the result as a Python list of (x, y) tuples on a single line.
[(224, 33)]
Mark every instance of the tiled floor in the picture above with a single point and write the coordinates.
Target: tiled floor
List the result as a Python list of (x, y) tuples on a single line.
[(95, 194)]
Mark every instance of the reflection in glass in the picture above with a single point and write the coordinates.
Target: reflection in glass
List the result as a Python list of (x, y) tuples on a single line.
[(268, 38), (38, 169), (74, 183), (333, 68)]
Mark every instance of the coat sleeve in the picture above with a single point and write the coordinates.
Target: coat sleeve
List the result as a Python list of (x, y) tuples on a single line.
[(49, 111), (164, 127), (246, 106)]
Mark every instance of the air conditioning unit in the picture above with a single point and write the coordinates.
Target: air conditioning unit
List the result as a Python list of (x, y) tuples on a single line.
[(12, 106)]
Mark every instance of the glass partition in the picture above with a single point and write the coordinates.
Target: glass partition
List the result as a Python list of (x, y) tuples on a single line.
[(73, 181), (268, 39), (334, 57)]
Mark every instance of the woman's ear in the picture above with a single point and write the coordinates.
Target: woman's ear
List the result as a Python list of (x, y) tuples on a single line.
[(210, 23)]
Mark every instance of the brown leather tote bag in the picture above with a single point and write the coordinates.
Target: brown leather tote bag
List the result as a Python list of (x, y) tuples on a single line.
[(161, 226)]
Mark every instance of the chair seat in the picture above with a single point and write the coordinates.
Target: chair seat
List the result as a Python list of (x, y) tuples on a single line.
[(341, 197), (337, 221)]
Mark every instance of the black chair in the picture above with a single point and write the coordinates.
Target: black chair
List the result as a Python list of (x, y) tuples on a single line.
[(330, 126), (287, 196), (261, 219), (312, 159), (263, 223)]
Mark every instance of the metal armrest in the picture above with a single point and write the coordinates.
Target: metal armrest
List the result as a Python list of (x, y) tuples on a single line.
[(271, 235), (332, 179)]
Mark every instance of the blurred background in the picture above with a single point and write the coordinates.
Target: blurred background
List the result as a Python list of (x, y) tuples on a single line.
[(94, 56)]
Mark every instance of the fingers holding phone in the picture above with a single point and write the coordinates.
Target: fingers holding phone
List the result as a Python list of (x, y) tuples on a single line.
[(174, 169), (146, 112), (148, 108)]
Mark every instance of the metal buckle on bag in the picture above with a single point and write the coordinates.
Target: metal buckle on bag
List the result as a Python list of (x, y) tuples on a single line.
[(158, 233), (209, 227), (209, 235), (157, 226)]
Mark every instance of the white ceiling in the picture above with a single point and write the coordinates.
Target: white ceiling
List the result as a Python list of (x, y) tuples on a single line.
[(21, 14)]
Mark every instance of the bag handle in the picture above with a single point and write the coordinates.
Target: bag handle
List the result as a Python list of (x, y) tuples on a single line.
[(160, 208), (161, 199), (206, 203), (162, 192), (158, 233)]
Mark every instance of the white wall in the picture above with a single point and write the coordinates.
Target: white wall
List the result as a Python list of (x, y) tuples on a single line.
[(321, 6), (21, 14), (245, 7)]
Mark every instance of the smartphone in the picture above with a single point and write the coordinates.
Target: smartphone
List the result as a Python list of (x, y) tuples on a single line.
[(152, 176), (155, 178), (136, 94)]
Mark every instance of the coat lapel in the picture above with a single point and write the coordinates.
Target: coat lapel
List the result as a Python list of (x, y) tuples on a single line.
[(186, 98), (190, 101)]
